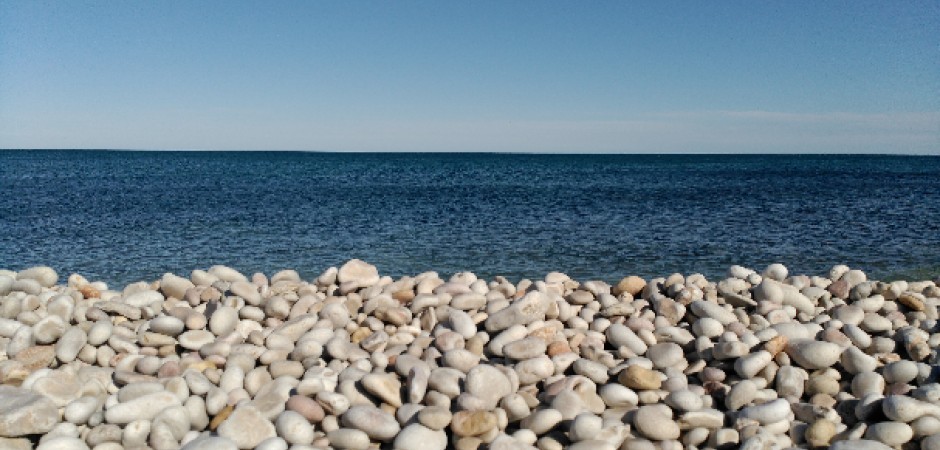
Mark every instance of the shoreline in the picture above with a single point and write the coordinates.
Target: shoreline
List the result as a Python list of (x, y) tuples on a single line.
[(353, 359)]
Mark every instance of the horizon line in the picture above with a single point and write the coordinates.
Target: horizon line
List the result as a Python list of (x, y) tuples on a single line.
[(444, 152)]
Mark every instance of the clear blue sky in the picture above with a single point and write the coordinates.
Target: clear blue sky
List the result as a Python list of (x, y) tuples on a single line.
[(539, 76)]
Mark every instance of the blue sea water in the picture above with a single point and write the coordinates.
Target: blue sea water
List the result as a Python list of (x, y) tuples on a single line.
[(127, 216)]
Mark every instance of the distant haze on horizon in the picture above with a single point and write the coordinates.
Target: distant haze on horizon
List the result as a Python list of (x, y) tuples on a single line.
[(488, 76)]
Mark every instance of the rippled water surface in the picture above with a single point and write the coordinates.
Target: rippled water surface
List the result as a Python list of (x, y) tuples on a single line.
[(125, 216)]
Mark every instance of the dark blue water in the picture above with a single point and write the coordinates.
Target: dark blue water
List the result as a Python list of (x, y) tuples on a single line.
[(126, 216)]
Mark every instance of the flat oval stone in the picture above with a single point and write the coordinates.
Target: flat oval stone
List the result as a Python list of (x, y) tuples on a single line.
[(526, 348), (62, 443), (145, 407), (435, 417), (765, 413), (46, 276), (167, 325), (814, 355), (418, 437), (207, 442), (702, 308), (488, 384), (23, 412), (890, 433), (348, 438), (684, 400), (294, 428), (68, 346), (858, 444), (247, 427), (652, 422), (472, 423), (666, 354), (639, 377), (378, 424), (196, 339)]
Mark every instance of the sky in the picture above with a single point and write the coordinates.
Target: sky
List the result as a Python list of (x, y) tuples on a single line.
[(487, 76)]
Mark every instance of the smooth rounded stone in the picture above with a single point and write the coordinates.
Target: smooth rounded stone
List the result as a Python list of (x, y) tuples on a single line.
[(533, 370), (461, 322), (766, 413), (776, 271), (639, 377), (931, 442), (104, 433), (472, 423), (542, 421), (71, 342), (902, 371), (596, 371), (167, 325), (386, 386), (925, 426), (215, 273), (49, 329), (617, 395), (100, 332), (749, 365), (143, 299), (145, 407), (247, 427), (856, 361), (44, 275), (306, 407), (822, 384), (585, 426), (435, 417), (175, 286), (708, 327), (332, 402), (358, 273), (868, 383), (273, 443), (702, 308), (655, 422), (890, 433), (208, 442), (196, 339), (418, 437), (524, 311), (901, 408), (294, 428), (247, 291), (813, 355), (62, 443), (684, 400), (468, 301), (376, 423), (488, 384), (135, 433), (223, 321), (6, 284), (820, 433), (461, 359), (23, 412), (80, 410), (620, 335), (666, 354), (348, 438), (632, 285), (526, 348), (858, 444)]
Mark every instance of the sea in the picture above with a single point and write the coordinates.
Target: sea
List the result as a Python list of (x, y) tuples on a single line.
[(125, 216)]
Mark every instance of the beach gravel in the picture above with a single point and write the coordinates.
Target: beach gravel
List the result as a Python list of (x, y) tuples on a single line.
[(351, 359)]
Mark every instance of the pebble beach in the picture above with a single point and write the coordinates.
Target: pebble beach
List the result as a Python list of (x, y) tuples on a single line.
[(759, 358)]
